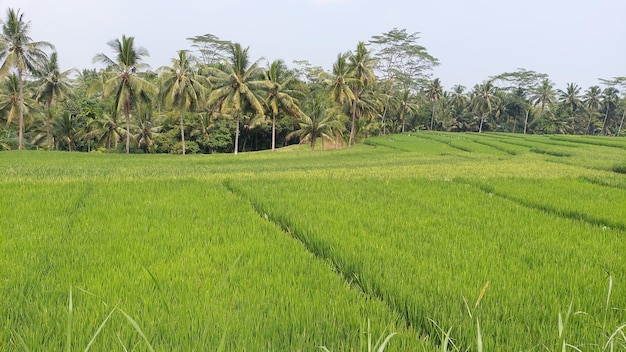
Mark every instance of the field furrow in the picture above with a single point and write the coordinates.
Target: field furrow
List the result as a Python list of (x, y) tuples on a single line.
[(440, 243), (189, 261)]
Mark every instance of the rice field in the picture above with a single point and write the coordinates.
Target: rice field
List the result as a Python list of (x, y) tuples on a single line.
[(450, 242)]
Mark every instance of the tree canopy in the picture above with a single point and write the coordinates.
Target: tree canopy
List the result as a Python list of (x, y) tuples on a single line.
[(214, 97)]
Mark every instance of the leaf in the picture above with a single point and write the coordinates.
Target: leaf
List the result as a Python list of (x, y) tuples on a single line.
[(93, 338), (21, 341), (479, 337), (138, 329), (381, 348), (68, 332)]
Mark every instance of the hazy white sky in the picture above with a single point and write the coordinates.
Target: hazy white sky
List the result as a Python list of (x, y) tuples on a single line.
[(570, 40)]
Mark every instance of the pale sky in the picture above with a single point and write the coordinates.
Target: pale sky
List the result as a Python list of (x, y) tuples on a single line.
[(570, 40)]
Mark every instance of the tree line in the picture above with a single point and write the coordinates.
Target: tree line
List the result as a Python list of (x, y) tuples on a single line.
[(215, 98)]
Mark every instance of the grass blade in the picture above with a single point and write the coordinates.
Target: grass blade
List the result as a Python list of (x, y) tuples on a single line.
[(93, 338), (68, 331), (381, 348), (479, 337), (21, 341), (138, 329), (619, 330)]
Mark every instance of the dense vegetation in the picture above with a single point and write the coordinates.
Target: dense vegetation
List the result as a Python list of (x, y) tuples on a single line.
[(451, 240), (215, 98)]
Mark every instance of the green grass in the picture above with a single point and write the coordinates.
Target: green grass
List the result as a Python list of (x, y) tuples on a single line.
[(299, 249)]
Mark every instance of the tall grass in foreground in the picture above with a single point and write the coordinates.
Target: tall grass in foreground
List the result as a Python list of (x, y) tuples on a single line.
[(423, 245), (190, 263)]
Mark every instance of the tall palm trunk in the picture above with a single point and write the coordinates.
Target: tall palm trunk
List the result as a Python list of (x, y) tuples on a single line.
[(182, 128), (127, 116), (49, 118), (432, 119), (273, 131), (619, 130), (526, 121), (20, 144), (237, 134), (353, 125), (606, 116), (482, 119)]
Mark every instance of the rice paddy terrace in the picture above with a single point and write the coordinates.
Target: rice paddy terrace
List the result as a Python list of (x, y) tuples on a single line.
[(455, 242)]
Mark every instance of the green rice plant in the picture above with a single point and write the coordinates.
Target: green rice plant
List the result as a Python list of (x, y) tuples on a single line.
[(520, 248), (178, 258), (572, 198), (461, 142), (620, 169), (411, 142), (378, 346), (596, 140), (550, 152), (301, 248)]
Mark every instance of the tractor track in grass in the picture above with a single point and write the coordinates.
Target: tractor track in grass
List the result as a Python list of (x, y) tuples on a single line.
[(347, 271)]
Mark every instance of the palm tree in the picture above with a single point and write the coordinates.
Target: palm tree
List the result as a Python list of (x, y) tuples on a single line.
[(236, 85), (321, 123), (147, 128), (484, 100), (570, 98), (434, 91), (280, 96), (591, 101), (610, 99), (361, 68), (121, 79), (64, 129), (181, 86), (406, 105), (21, 53), (543, 96), (53, 85), (340, 82), (10, 102), (459, 101), (105, 129)]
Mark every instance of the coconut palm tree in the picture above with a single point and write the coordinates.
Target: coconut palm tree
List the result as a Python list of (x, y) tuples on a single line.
[(53, 86), (236, 86), (121, 79), (146, 128), (181, 86), (10, 103), (543, 96), (65, 129), (21, 53), (433, 92), (592, 102), (106, 129), (484, 100), (570, 98), (280, 96), (610, 99), (321, 122), (406, 105), (340, 82), (361, 68)]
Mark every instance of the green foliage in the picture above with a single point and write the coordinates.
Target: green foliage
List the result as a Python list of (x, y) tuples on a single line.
[(620, 169), (295, 250)]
